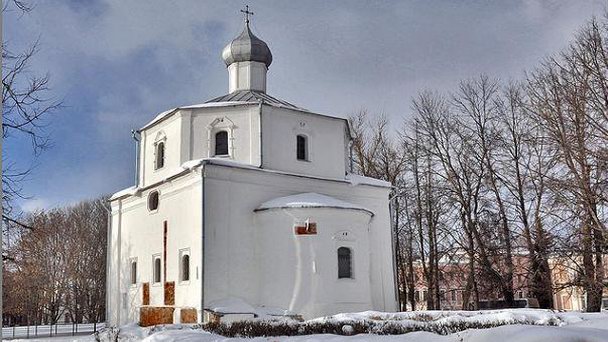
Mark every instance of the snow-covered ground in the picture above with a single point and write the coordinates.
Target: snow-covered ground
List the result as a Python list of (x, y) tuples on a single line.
[(524, 325)]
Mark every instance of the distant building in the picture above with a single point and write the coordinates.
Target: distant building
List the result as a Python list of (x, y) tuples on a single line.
[(247, 199), (566, 295)]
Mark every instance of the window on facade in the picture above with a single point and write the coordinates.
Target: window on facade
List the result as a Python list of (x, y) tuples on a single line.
[(344, 263), (302, 147), (153, 200), (160, 155), (221, 143), (185, 276), (453, 292), (157, 269), (133, 272)]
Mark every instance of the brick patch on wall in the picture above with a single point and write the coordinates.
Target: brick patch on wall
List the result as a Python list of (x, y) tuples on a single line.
[(306, 229), (146, 294), (170, 293), (155, 315), (188, 315)]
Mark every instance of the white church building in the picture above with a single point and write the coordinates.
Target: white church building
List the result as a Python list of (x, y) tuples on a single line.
[(245, 205)]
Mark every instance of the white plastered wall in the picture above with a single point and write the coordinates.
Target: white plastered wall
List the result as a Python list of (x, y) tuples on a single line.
[(303, 269), (242, 124), (247, 76), (168, 131), (138, 233), (190, 134), (326, 142), (231, 196)]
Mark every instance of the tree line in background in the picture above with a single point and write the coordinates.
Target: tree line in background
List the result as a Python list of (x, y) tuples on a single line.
[(492, 171), (55, 269)]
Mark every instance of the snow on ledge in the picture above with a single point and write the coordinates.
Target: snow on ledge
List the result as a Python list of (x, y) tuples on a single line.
[(130, 191), (309, 200), (187, 166), (363, 180), (190, 165)]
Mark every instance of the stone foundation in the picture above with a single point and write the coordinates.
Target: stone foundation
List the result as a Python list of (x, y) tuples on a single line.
[(188, 315), (151, 315)]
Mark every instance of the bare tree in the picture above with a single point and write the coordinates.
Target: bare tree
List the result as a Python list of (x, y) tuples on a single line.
[(564, 104), (26, 103), (58, 266), (376, 154)]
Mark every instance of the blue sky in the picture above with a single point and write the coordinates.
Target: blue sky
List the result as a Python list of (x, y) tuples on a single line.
[(116, 64)]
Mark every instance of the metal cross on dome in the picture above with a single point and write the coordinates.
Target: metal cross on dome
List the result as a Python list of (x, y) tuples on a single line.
[(247, 13)]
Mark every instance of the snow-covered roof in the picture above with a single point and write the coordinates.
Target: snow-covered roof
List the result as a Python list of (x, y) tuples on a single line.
[(255, 97), (171, 111), (358, 179), (241, 98), (309, 200), (132, 190), (235, 305), (354, 180), (231, 305)]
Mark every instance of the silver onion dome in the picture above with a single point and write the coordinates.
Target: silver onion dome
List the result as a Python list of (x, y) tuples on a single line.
[(247, 47)]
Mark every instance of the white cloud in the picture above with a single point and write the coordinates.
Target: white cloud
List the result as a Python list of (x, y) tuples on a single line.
[(35, 204)]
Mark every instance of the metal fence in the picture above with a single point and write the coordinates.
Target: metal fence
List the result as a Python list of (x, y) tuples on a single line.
[(65, 329)]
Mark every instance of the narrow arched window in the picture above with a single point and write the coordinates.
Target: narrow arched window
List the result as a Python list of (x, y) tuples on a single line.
[(133, 272), (160, 155), (157, 269), (185, 267), (153, 201), (302, 147), (221, 143), (344, 263)]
